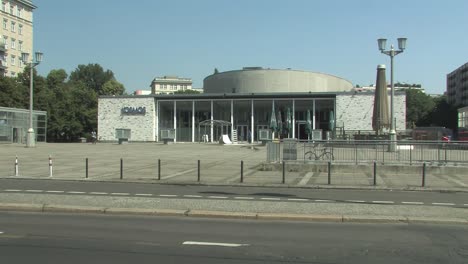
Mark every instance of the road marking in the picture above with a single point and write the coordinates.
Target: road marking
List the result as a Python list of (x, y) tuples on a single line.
[(443, 203), (412, 203), (322, 201), (11, 190), (384, 202), (306, 179), (75, 192), (167, 195), (193, 196), (244, 198), (298, 200), (98, 193), (465, 205), (120, 194), (213, 244), (55, 191), (1, 233), (355, 201), (143, 194), (271, 199), (34, 190), (217, 197)]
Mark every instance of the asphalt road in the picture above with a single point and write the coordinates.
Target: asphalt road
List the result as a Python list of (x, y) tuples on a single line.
[(300, 195), (62, 238)]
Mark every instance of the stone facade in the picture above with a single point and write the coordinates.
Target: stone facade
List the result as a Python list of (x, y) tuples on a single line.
[(354, 110), (135, 113)]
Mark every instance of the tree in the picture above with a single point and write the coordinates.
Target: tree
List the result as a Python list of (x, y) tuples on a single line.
[(188, 91), (93, 76), (418, 107), (13, 94), (444, 114), (113, 87)]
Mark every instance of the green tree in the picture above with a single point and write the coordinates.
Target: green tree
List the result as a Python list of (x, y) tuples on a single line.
[(113, 87), (444, 114), (93, 76), (418, 107), (188, 91), (13, 93)]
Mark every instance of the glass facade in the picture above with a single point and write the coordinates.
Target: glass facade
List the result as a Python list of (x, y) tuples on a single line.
[(245, 116), (14, 125)]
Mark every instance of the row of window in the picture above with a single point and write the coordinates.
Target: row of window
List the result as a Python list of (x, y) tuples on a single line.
[(11, 9), (13, 59), (13, 43), (12, 26), (172, 87)]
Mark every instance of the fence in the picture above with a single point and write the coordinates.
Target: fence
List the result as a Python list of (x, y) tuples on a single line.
[(359, 152)]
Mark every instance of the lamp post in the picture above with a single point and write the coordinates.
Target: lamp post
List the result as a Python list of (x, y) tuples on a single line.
[(392, 53), (31, 138)]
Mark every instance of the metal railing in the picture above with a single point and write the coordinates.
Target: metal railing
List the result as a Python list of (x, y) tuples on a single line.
[(358, 152)]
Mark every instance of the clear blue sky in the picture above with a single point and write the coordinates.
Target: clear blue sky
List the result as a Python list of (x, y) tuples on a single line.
[(140, 40)]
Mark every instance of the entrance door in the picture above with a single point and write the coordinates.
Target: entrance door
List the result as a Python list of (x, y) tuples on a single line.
[(242, 133), (301, 130)]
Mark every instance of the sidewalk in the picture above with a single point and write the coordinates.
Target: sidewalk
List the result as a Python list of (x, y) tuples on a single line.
[(219, 165)]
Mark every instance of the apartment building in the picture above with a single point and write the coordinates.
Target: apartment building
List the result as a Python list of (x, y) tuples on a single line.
[(170, 84), (457, 86), (16, 34)]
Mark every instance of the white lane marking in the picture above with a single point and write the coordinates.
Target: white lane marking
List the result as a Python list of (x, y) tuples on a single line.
[(384, 202), (306, 179), (217, 197), (143, 194), (167, 195), (1, 232), (244, 198), (443, 203), (321, 201), (465, 205), (213, 244), (412, 202), (75, 192), (120, 194), (298, 200), (98, 193), (11, 190), (55, 191), (193, 196), (355, 201), (270, 199), (34, 190)]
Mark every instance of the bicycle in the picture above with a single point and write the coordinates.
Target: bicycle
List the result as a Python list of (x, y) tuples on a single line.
[(319, 152)]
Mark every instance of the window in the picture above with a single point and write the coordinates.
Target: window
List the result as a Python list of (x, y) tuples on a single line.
[(13, 60), (19, 12), (20, 45), (13, 74), (6, 41), (13, 43), (13, 26), (5, 22), (20, 29), (20, 63), (122, 133), (3, 6), (5, 62), (11, 8)]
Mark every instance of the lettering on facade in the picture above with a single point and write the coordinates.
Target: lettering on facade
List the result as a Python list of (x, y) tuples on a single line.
[(133, 110)]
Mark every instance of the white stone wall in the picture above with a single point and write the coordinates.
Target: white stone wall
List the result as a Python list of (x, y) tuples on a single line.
[(354, 110), (110, 118)]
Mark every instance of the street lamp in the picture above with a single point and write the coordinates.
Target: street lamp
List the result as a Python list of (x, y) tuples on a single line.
[(392, 53), (31, 138)]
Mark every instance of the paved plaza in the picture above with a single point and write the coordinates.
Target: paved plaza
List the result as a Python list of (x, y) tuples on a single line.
[(219, 164)]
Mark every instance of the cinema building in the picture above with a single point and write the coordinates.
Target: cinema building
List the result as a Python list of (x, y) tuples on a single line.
[(239, 104)]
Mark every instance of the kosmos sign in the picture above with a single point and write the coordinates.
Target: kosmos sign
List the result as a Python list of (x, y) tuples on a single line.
[(133, 110)]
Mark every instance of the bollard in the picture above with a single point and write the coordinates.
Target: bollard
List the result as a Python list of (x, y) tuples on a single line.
[(86, 176), (329, 172), (198, 177), (284, 172), (121, 168), (375, 173), (16, 166), (242, 171), (424, 175), (159, 169), (50, 166)]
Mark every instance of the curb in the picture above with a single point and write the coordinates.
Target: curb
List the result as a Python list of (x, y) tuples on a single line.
[(272, 185), (46, 208)]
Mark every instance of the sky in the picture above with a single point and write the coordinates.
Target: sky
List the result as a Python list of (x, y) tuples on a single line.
[(141, 40)]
